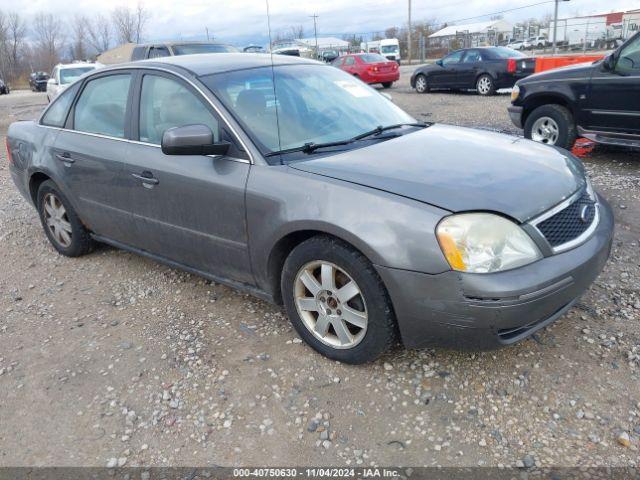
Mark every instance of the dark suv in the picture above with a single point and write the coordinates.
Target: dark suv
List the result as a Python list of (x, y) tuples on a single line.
[(599, 101)]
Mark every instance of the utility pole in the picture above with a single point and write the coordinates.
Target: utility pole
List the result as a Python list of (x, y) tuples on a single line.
[(207, 30), (409, 36), (315, 32), (555, 26)]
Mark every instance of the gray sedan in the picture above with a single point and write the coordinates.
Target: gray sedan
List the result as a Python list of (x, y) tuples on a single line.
[(299, 184)]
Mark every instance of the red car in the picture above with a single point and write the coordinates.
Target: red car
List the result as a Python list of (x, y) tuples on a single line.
[(369, 67)]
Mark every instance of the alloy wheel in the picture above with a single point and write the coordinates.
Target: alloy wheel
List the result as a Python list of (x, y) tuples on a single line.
[(330, 304), (484, 85), (545, 130), (421, 84), (57, 221)]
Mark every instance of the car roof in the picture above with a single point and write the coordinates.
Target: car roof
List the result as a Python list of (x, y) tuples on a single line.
[(210, 63)]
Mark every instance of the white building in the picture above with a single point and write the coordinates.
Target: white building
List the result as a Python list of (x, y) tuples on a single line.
[(326, 43), (479, 34)]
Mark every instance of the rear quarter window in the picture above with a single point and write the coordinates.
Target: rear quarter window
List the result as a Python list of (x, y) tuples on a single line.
[(56, 115)]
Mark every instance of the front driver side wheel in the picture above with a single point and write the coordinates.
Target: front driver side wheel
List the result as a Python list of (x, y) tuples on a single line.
[(336, 301), (61, 224), (552, 125)]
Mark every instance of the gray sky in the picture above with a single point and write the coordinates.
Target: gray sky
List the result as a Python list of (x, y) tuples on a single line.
[(241, 21)]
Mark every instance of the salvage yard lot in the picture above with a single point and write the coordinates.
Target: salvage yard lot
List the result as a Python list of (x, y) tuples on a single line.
[(115, 358)]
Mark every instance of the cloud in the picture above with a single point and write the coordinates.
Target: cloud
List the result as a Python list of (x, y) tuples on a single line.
[(240, 21)]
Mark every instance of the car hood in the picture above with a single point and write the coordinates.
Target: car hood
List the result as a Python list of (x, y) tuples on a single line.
[(460, 169)]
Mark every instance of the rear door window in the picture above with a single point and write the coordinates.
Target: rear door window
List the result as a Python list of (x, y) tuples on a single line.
[(102, 106), (472, 56)]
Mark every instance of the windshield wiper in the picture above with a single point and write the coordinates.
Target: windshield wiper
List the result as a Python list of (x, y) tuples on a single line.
[(312, 147), (379, 129)]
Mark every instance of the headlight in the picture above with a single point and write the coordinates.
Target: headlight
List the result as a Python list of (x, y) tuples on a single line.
[(484, 243), (515, 93)]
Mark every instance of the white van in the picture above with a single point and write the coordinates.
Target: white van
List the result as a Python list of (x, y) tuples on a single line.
[(390, 48), (64, 75)]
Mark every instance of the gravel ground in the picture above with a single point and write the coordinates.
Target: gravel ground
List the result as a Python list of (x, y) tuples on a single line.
[(113, 359)]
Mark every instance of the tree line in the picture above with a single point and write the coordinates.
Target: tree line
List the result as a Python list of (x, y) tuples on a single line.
[(37, 43)]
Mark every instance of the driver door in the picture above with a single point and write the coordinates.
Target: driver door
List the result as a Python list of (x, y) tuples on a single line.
[(613, 103), (446, 75), (188, 209)]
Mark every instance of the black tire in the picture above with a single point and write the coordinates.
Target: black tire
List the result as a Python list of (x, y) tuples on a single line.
[(422, 84), (387, 84), (381, 330), (567, 132), (81, 242), (486, 91)]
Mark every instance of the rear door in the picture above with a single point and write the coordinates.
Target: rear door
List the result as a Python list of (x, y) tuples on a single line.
[(188, 209), (90, 150), (613, 104), (350, 65)]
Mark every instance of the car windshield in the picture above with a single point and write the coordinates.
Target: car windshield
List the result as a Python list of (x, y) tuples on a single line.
[(190, 49), (389, 49), (503, 52), (372, 58), (69, 75), (315, 104)]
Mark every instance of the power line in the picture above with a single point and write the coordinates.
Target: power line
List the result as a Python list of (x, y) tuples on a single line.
[(460, 19)]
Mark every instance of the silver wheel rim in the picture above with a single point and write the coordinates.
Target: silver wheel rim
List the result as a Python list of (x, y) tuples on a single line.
[(484, 85), (421, 84), (545, 130), (57, 221), (330, 304)]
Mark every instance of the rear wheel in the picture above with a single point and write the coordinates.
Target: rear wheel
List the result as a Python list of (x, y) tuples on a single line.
[(387, 84), (336, 301), (551, 125), (61, 224), (485, 85), (422, 84)]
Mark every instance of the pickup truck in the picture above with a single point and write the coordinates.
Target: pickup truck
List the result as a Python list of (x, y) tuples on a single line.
[(599, 101)]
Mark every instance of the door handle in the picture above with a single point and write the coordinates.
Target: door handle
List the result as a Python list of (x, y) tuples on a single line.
[(149, 180), (65, 157)]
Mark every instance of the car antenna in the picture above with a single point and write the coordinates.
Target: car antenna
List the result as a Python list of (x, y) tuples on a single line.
[(273, 79)]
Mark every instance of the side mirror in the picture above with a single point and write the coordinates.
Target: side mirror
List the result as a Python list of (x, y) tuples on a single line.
[(609, 63), (439, 62), (52, 81), (192, 140)]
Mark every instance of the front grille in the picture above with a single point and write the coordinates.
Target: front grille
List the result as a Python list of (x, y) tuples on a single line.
[(569, 223)]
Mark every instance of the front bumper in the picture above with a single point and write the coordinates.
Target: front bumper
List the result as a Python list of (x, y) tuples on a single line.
[(485, 311), (515, 113)]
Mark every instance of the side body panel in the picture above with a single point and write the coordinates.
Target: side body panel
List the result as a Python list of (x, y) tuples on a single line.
[(96, 180), (390, 230), (195, 214)]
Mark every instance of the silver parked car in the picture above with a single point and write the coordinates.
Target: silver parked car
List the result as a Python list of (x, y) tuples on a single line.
[(304, 186)]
